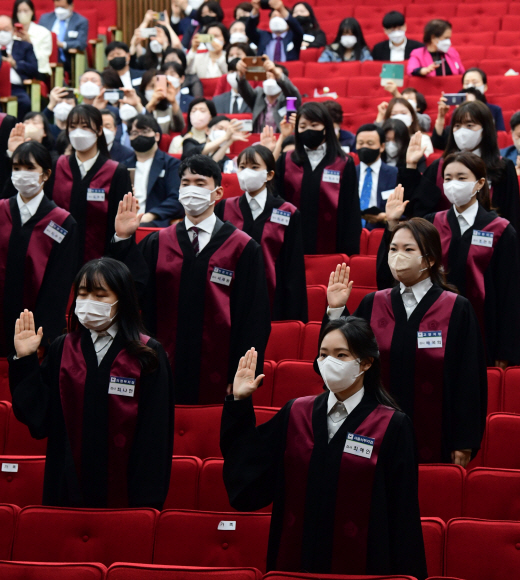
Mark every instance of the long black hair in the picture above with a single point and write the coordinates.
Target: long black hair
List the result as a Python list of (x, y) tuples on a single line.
[(352, 25), (401, 138), (151, 59), (248, 155), (98, 274), (477, 166), (17, 5), (94, 120), (318, 113), (313, 24), (363, 345)]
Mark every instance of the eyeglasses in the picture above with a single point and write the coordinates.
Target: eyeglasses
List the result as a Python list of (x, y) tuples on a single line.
[(134, 134)]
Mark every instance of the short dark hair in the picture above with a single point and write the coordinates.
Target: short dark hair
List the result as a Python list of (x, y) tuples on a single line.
[(243, 46), (108, 112), (222, 28), (93, 118), (245, 6), (475, 164), (248, 155), (476, 93), (393, 19), (477, 70), (284, 68), (217, 119), (23, 153), (435, 28), (176, 66), (372, 127), (515, 120), (62, 142), (116, 44), (180, 54), (214, 7), (29, 3), (91, 70), (335, 111), (202, 165), (419, 97), (145, 122), (209, 103)]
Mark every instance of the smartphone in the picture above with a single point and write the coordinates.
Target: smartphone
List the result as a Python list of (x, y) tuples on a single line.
[(161, 82), (455, 98), (158, 16), (147, 32), (437, 62), (290, 106), (255, 68), (114, 95), (18, 26), (264, 4), (205, 38), (68, 95), (247, 126), (131, 171)]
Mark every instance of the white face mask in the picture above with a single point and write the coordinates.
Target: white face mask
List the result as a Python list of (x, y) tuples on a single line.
[(94, 314), (5, 37), (195, 200), (148, 94), (127, 112), (444, 45), (216, 134), (199, 119), (397, 36), (478, 87), (277, 24), (211, 48), (62, 110), (391, 148), (339, 375), (413, 103), (82, 139), (466, 139), (62, 13), (24, 17), (109, 136), (155, 46), (175, 81), (89, 90), (195, 4), (405, 267), (406, 119), (232, 80), (271, 87), (459, 193), (251, 180), (348, 40), (27, 183), (237, 37)]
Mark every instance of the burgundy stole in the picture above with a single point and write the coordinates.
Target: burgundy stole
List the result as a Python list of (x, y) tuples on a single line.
[(273, 236), (479, 258), (352, 510), (429, 368), (122, 413), (328, 203), (217, 307), (96, 214)]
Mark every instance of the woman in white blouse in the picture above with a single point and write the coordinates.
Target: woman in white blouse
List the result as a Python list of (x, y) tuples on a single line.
[(210, 64), (38, 36)]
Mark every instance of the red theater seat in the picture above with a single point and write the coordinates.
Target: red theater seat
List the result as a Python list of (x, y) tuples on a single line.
[(501, 446), (5, 393), (317, 302), (231, 185), (319, 267), (156, 572), (284, 340), (363, 242), (492, 494), (8, 515), (293, 379), (374, 241), (511, 391), (434, 530), (495, 387), (363, 271), (45, 534), (209, 86), (430, 10), (296, 68), (317, 70), (309, 341), (188, 538), (19, 440), (357, 295), (54, 571), (482, 9), (21, 480), (361, 86), (441, 490), (263, 396), (184, 480), (322, 84), (5, 409), (500, 66), (141, 233), (302, 576)]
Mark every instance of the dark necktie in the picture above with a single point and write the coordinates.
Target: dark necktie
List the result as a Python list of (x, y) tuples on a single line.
[(4, 51), (278, 49), (195, 240), (235, 104)]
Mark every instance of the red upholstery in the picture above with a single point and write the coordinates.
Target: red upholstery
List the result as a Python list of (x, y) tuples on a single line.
[(8, 515), (294, 379), (434, 530), (302, 576), (25, 486), (5, 408), (323, 84), (495, 381), (360, 86), (238, 146), (45, 534), (184, 480), (141, 233), (319, 267), (506, 38), (431, 10), (19, 440), (441, 490), (193, 539), (54, 571), (5, 393), (482, 550), (375, 12), (284, 341), (363, 271), (357, 294), (164, 143), (501, 447), (363, 241), (374, 241), (5, 82), (264, 394), (157, 572), (492, 494), (208, 86), (317, 302), (310, 54), (309, 341), (230, 185), (482, 9), (316, 70), (511, 391), (296, 68)]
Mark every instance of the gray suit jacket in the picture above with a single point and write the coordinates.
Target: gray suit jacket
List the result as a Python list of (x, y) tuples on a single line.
[(223, 104)]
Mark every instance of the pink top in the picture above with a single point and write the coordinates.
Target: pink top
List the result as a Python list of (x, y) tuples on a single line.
[(421, 57)]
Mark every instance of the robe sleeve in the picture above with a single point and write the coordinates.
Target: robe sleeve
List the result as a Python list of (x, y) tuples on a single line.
[(506, 196), (421, 190), (220, 208), (383, 274), (280, 177), (120, 186), (349, 224)]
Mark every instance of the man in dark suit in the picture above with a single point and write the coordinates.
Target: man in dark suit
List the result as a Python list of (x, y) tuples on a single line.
[(19, 54), (376, 179), (156, 179), (283, 41), (118, 152), (511, 152), (398, 47), (118, 56), (70, 27)]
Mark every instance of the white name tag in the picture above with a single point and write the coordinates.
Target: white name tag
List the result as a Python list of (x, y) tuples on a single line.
[(290, 47), (163, 173), (281, 217), (359, 445), (73, 34), (282, 112), (308, 38), (10, 467), (165, 119), (95, 194), (346, 148), (429, 339), (481, 238), (121, 386), (224, 525), (56, 232), (185, 91), (331, 176), (221, 276), (386, 194), (136, 82)]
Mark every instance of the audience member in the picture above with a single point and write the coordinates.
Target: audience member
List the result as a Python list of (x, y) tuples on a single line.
[(161, 103), (209, 12), (200, 113), (212, 63), (191, 81), (349, 44), (346, 139), (511, 152), (118, 57), (61, 103), (118, 152), (476, 78), (313, 36), (176, 76), (398, 47), (40, 38), (231, 102), (153, 55)]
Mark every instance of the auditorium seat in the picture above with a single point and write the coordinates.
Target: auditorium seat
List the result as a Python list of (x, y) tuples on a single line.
[(157, 572), (495, 387), (431, 10), (360, 86), (511, 391), (363, 241), (363, 271), (54, 571), (482, 549), (296, 68), (231, 185), (293, 379), (236, 148), (208, 86), (303, 576), (492, 494), (441, 489), (141, 233), (182, 493), (322, 84), (235, 539), (19, 440), (5, 393), (5, 409), (309, 341), (357, 295), (317, 70), (310, 54), (8, 515), (319, 267), (263, 396), (482, 9), (501, 66), (284, 340), (316, 302), (21, 480), (374, 241), (45, 534), (434, 530), (501, 446)]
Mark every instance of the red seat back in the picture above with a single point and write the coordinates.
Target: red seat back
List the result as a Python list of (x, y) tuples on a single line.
[(317, 302), (5, 79), (19, 440), (8, 515), (363, 239), (54, 571), (284, 340), (374, 241), (5, 393), (141, 233), (164, 143), (501, 446), (495, 385), (303, 576), (231, 185), (5, 409), (319, 267), (441, 489), (209, 86), (511, 391), (182, 493), (357, 294), (263, 396), (156, 572), (309, 341), (363, 271), (25, 485), (433, 530), (492, 494), (293, 379)]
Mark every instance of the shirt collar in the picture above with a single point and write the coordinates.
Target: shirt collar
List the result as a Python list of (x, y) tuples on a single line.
[(275, 36), (88, 164), (350, 404), (146, 162), (469, 214), (207, 225), (32, 205), (321, 150), (400, 47), (260, 198), (112, 331), (375, 167), (420, 289)]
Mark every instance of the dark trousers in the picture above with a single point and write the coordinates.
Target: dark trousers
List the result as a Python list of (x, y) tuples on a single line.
[(24, 101)]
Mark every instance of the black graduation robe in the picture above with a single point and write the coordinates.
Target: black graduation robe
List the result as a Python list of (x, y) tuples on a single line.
[(192, 327), (7, 123), (23, 255), (290, 295), (37, 402), (324, 232), (254, 477)]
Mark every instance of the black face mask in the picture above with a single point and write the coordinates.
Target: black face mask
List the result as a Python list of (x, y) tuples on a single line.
[(117, 63), (205, 20), (243, 19), (312, 138), (367, 155), (142, 144), (304, 20)]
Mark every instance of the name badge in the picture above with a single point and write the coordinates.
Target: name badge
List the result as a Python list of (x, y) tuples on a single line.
[(73, 34), (429, 339), (308, 38), (282, 111), (95, 194), (121, 386), (481, 238), (165, 119), (331, 176), (386, 194), (359, 445), (10, 467), (163, 173), (56, 232), (290, 47), (226, 525), (346, 148), (185, 91), (221, 276), (281, 217), (136, 82)]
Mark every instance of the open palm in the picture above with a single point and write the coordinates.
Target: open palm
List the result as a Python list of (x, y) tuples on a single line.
[(339, 289), (26, 340), (395, 205), (245, 383), (127, 218)]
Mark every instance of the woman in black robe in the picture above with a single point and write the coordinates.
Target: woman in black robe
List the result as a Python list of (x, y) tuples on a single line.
[(340, 468)]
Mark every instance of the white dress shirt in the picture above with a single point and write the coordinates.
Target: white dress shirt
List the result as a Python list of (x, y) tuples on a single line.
[(41, 40), (27, 210), (412, 295), (15, 79), (316, 155), (467, 218), (86, 166), (239, 100), (142, 173), (103, 340), (126, 79), (56, 29), (206, 228), (376, 168), (338, 411), (257, 203), (397, 52)]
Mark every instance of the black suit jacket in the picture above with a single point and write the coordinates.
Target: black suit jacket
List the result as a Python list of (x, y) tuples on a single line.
[(26, 63), (122, 154), (223, 103), (381, 50)]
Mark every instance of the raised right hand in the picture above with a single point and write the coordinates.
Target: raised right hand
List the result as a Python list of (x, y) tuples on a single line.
[(56, 96), (443, 107), (287, 127), (267, 138), (415, 150), (241, 68), (127, 218), (17, 137), (26, 340), (395, 205), (245, 383), (339, 289)]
